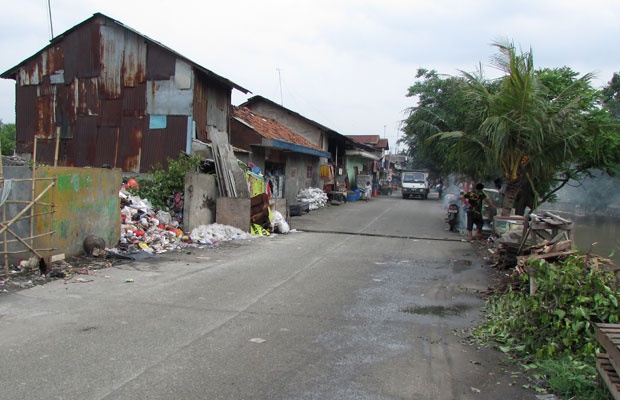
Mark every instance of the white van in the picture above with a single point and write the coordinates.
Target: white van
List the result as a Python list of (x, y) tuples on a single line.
[(415, 183)]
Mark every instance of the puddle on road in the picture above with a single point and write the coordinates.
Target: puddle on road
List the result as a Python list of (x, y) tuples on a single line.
[(461, 265), (440, 311)]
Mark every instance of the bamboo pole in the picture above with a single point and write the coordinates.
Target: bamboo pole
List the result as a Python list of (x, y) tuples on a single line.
[(4, 246), (50, 241), (33, 186), (22, 241), (57, 146), (28, 207), (33, 237)]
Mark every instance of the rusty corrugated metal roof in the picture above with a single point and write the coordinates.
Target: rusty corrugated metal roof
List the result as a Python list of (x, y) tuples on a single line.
[(11, 73)]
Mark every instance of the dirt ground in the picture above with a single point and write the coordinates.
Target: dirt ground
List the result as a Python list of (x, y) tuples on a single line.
[(78, 269)]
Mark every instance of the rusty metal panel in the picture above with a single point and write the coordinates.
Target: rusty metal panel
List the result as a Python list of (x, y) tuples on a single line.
[(134, 101), (81, 52), (200, 107), (163, 98), (159, 144), (112, 39), (160, 63), (44, 106), (130, 143), (217, 107), (46, 149), (29, 74), (107, 147), (87, 101), (64, 113), (134, 60), (25, 118), (49, 63), (85, 141), (52, 61), (111, 112)]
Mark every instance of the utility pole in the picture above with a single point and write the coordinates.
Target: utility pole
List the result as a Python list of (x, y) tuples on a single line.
[(280, 80), (49, 11)]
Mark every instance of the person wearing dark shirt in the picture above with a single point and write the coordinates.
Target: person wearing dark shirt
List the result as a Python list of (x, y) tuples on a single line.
[(474, 200)]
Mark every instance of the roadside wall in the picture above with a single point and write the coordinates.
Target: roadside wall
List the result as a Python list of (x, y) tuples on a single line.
[(297, 177), (199, 201), (86, 202)]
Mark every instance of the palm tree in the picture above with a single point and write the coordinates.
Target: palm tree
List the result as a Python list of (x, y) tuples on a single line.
[(525, 131), (539, 129)]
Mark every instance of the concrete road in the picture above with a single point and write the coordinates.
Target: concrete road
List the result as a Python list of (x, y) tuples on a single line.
[(364, 301)]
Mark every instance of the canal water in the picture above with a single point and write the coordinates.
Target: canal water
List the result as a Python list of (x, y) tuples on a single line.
[(594, 207), (601, 231)]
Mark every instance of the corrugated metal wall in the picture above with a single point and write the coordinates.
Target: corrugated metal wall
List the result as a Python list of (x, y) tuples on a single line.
[(98, 85)]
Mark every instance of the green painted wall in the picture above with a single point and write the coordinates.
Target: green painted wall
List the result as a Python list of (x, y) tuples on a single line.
[(352, 162), (86, 202)]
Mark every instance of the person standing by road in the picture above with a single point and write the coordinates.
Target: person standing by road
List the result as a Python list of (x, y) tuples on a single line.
[(473, 200), (367, 191)]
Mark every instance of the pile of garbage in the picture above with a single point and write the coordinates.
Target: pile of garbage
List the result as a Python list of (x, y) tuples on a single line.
[(144, 229), (210, 234), (315, 197)]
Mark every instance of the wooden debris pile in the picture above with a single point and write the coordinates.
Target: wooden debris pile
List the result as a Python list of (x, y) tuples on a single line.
[(547, 236), (231, 179)]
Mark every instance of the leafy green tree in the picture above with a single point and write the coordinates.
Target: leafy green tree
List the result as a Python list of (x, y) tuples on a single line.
[(7, 138), (438, 109), (520, 125), (611, 96), (536, 128)]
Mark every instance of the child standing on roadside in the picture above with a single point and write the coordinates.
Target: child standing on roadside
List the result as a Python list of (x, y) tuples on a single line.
[(367, 191)]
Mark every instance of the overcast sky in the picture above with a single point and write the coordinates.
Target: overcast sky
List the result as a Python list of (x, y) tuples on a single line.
[(346, 64)]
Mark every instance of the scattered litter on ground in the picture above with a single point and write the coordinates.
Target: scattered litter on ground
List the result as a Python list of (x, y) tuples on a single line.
[(145, 232)]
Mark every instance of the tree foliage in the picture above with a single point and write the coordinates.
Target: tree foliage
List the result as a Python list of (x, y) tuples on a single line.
[(7, 138), (441, 107), (165, 182), (611, 96), (536, 128)]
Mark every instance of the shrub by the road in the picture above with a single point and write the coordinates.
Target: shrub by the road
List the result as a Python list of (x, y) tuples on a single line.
[(552, 330), (166, 182)]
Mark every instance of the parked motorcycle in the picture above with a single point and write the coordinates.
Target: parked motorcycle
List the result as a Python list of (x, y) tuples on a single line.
[(453, 216)]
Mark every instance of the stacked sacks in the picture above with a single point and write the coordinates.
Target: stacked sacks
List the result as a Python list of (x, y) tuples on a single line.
[(316, 198)]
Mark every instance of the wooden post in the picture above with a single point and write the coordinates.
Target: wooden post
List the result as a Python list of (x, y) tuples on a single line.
[(57, 146)]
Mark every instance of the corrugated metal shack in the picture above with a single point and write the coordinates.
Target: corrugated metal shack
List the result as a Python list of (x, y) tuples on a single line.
[(103, 93)]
